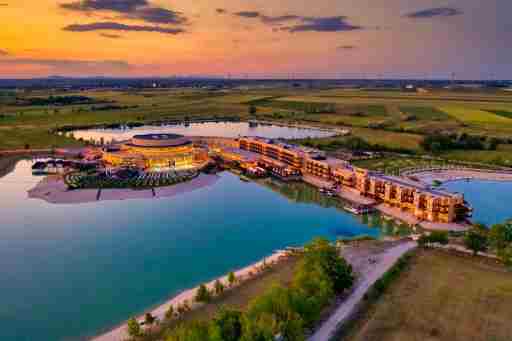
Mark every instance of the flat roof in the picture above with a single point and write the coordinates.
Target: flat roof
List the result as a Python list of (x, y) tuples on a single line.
[(158, 136), (247, 155), (415, 185), (159, 140)]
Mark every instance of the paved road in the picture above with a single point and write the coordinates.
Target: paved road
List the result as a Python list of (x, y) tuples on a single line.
[(345, 310)]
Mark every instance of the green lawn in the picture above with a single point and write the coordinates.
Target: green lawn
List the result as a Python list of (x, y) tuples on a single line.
[(393, 165), (399, 119)]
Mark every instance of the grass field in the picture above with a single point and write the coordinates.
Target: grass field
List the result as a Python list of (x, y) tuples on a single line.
[(475, 115), (393, 165), (442, 297), (394, 119), (385, 138)]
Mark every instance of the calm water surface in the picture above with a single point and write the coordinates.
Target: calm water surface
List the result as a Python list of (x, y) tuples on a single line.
[(491, 200), (68, 271), (226, 129)]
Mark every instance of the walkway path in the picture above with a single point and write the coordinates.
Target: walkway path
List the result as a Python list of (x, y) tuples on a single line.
[(348, 306)]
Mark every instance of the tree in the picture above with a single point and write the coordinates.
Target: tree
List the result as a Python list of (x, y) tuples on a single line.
[(506, 255), (231, 278), (149, 319), (252, 109), (476, 240), (134, 328), (169, 314), (314, 290), (321, 253), (227, 325), (277, 308), (258, 329), (500, 235), (493, 143), (219, 287), (203, 294), (500, 238)]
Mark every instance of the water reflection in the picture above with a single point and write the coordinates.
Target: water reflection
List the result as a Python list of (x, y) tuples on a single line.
[(223, 129), (300, 192), (70, 270)]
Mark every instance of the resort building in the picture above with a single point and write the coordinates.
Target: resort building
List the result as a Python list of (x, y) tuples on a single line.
[(156, 152), (288, 155), (410, 196)]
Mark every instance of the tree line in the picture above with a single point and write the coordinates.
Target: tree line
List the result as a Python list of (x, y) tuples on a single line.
[(282, 312), (437, 143), (480, 238)]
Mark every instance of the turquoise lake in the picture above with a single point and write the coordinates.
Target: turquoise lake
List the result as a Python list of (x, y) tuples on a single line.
[(491, 200), (70, 271)]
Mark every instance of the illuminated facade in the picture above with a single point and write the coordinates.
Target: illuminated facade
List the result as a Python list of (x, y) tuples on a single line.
[(423, 202), (157, 152), (289, 156)]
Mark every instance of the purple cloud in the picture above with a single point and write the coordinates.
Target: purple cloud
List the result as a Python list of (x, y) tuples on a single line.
[(434, 12), (322, 24), (129, 9), (114, 26)]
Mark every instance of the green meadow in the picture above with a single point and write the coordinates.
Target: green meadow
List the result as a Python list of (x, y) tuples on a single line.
[(393, 119)]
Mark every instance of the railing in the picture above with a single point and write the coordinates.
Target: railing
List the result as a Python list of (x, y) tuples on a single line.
[(415, 170)]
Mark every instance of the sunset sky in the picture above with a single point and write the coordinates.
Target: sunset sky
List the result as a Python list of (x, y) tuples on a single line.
[(260, 38)]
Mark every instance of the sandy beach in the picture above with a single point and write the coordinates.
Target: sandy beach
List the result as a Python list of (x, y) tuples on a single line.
[(120, 332), (53, 190)]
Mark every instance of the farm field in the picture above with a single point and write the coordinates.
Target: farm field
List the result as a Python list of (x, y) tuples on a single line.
[(393, 119), (389, 139), (441, 297)]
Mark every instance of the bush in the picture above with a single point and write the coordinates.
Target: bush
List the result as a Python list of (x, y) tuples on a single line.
[(228, 325), (435, 237), (476, 240), (219, 287), (134, 329), (203, 294), (149, 319), (169, 314), (231, 278)]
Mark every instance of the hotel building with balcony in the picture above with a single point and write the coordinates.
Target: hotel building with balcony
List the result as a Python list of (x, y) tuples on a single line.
[(413, 197)]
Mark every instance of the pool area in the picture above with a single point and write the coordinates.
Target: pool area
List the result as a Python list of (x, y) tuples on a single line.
[(71, 271)]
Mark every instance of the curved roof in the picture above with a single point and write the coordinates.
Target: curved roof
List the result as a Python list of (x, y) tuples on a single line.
[(159, 140)]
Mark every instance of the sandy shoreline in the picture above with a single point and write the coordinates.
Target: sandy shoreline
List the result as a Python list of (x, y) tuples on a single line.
[(53, 190), (120, 332)]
